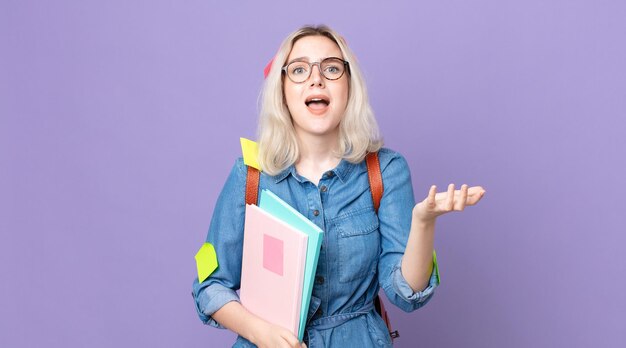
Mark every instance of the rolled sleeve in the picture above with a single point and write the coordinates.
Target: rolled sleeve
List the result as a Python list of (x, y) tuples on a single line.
[(414, 300), (211, 299)]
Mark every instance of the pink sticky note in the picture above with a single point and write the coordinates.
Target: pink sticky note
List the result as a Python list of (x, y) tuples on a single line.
[(273, 254), (268, 67)]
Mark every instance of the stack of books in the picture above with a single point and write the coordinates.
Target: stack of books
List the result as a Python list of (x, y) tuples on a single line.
[(281, 248)]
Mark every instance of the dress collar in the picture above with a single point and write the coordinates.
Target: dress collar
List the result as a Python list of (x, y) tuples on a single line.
[(342, 170)]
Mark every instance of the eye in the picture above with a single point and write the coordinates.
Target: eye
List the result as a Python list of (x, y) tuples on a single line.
[(298, 68), (332, 69), (332, 66)]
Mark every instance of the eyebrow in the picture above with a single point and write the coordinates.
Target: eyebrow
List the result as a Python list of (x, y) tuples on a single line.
[(307, 59), (299, 59)]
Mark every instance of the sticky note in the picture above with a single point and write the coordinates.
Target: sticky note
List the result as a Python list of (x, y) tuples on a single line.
[(436, 266), (206, 261), (268, 67), (273, 254), (250, 150)]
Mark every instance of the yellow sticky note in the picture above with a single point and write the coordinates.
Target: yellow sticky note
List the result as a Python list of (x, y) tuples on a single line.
[(436, 266), (250, 151), (206, 261)]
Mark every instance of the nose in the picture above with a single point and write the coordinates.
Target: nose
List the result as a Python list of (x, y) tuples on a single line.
[(316, 76)]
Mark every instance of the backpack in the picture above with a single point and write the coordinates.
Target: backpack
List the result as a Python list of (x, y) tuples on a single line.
[(376, 187)]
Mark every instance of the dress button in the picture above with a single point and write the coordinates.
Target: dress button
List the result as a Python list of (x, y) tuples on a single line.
[(324, 188), (316, 212), (319, 280), (330, 174)]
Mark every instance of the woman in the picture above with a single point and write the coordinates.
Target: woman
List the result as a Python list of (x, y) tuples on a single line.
[(315, 129)]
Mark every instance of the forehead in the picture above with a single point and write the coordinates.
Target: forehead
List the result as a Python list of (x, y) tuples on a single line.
[(314, 48)]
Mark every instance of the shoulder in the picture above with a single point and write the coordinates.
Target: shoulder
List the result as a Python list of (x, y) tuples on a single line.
[(240, 167), (391, 160), (238, 173)]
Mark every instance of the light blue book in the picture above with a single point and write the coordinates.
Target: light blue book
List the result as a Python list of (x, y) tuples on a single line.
[(283, 211)]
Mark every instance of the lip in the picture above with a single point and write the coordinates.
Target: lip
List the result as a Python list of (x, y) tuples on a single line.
[(317, 111), (317, 96)]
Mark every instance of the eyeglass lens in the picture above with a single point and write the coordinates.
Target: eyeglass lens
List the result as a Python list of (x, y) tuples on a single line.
[(331, 68)]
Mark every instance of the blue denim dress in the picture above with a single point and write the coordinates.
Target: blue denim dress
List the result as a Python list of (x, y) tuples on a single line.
[(361, 250)]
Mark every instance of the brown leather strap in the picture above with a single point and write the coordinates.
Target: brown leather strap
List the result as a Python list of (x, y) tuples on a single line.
[(375, 177), (376, 187), (252, 185)]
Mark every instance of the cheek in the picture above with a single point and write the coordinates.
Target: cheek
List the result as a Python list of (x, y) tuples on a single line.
[(291, 97), (343, 93)]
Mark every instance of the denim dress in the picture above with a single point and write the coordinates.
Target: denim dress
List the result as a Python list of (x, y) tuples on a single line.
[(361, 250)]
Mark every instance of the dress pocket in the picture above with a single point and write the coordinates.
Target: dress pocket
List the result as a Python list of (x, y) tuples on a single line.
[(358, 244)]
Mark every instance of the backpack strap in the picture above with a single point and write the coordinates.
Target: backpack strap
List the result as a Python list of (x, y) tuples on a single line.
[(252, 185), (375, 178), (376, 187)]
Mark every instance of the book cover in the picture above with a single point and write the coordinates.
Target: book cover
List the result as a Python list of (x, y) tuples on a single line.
[(280, 209), (272, 270)]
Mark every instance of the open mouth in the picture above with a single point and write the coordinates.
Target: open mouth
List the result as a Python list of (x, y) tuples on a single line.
[(317, 102)]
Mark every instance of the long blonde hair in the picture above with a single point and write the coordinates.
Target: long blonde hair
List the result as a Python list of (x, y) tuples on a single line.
[(358, 130)]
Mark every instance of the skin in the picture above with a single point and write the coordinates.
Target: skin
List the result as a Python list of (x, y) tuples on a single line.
[(318, 137), (417, 263), (317, 132)]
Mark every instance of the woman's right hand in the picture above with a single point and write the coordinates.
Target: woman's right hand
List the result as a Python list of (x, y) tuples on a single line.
[(262, 333), (273, 336)]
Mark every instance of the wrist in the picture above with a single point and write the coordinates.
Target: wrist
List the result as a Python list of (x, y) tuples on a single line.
[(422, 221), (256, 330)]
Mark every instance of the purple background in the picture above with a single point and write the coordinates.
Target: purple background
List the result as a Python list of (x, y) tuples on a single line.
[(119, 121)]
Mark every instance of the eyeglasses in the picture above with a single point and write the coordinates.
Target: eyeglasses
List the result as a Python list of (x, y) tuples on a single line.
[(332, 68)]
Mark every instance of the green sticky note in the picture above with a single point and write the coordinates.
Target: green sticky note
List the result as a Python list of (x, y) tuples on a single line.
[(206, 261), (436, 267)]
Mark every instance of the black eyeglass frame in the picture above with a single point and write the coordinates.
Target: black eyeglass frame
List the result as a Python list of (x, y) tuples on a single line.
[(346, 65)]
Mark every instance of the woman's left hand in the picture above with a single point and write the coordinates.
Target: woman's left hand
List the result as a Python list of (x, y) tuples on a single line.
[(437, 204)]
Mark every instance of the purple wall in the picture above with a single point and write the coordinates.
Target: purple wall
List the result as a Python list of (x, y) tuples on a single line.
[(119, 122)]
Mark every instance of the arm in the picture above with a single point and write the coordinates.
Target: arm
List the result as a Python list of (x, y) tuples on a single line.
[(394, 216), (217, 303), (236, 318), (417, 261)]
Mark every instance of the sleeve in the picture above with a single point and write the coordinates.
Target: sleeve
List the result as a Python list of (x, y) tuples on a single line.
[(226, 235), (394, 216)]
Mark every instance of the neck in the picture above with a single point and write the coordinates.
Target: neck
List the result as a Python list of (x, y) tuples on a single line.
[(316, 148), (317, 155)]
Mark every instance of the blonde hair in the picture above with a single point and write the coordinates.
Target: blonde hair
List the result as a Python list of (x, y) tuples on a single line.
[(358, 130)]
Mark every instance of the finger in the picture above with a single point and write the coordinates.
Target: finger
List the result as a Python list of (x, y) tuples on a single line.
[(291, 339), (430, 200), (475, 190), (303, 345), (475, 193), (460, 204), (450, 199)]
